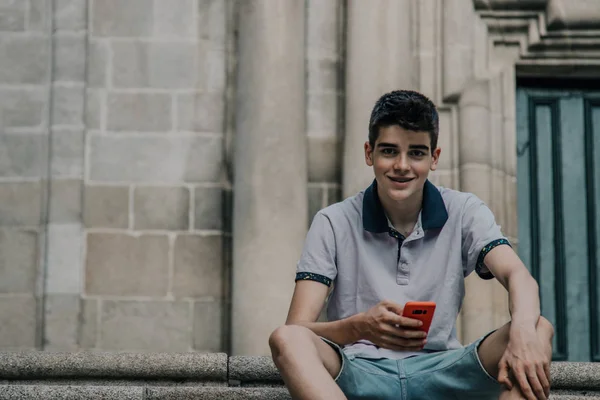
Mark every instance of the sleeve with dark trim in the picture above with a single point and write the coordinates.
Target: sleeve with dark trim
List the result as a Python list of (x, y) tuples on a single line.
[(480, 234), (318, 259)]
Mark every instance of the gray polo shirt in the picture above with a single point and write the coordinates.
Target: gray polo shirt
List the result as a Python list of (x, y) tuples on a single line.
[(352, 246)]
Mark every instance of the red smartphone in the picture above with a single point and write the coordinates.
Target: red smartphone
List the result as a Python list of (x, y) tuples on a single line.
[(421, 310)]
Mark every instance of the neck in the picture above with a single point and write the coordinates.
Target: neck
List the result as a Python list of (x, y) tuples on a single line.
[(403, 214)]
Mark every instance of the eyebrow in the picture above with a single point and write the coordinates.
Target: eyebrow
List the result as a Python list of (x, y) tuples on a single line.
[(411, 147)]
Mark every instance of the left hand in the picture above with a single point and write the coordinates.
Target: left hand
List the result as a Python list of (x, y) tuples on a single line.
[(525, 357)]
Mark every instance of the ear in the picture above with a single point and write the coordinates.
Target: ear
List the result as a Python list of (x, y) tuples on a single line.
[(435, 157), (368, 154)]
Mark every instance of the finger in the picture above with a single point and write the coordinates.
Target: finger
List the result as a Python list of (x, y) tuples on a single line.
[(503, 376), (547, 371), (393, 307), (408, 323), (535, 384), (403, 333), (521, 378), (541, 374)]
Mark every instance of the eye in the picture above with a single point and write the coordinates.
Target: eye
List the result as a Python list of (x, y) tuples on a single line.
[(388, 151), (417, 153)]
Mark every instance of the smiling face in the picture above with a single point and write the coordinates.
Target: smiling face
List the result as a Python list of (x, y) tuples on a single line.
[(401, 160)]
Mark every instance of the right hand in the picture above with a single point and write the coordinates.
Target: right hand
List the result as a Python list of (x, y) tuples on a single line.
[(384, 326)]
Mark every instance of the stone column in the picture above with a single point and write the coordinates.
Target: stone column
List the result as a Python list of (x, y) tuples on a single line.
[(270, 183), (380, 58)]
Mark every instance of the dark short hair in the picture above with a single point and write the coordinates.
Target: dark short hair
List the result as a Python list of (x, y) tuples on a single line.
[(408, 109)]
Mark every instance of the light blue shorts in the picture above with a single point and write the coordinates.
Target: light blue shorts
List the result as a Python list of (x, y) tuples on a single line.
[(453, 374)]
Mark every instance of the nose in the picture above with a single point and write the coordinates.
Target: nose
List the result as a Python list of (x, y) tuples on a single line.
[(401, 163)]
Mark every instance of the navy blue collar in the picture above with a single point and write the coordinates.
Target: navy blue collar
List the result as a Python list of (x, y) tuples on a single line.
[(433, 216)]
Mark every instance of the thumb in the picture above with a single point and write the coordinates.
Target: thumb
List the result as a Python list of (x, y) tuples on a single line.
[(503, 377), (394, 307)]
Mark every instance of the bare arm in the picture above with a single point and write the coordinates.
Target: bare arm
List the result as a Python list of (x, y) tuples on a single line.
[(382, 324), (307, 302)]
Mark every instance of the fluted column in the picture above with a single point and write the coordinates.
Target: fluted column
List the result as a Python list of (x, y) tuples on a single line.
[(381, 57), (270, 183)]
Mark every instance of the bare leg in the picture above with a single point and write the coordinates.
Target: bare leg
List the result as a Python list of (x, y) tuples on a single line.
[(492, 348), (307, 364)]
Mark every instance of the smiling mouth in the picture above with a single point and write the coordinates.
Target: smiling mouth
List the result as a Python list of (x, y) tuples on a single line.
[(401, 180)]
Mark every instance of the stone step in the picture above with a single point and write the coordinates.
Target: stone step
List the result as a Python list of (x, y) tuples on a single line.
[(68, 392)]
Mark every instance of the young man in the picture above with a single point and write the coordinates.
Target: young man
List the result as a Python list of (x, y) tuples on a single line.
[(400, 240)]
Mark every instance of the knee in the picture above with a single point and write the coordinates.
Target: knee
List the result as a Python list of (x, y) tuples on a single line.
[(286, 337)]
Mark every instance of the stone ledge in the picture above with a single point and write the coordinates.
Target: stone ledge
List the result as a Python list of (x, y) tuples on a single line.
[(253, 369), (48, 365)]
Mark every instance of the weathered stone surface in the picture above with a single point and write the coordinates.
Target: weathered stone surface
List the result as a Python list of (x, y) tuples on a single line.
[(322, 73), (69, 57), (67, 105), (71, 392), (334, 194), (567, 375), (23, 155), (583, 14), (324, 155), (175, 18), (64, 258), (62, 321), (70, 14), (201, 112), (161, 208), (65, 200), (94, 106), (97, 63), (38, 16), (106, 206), (315, 201), (20, 203), (22, 108), (169, 65), (139, 112), (169, 159), (47, 365), (321, 113), (88, 329), (145, 326), (67, 153), (253, 369), (23, 59), (208, 324), (198, 266), (222, 393), (208, 208), (12, 15), (18, 263), (124, 18), (120, 264), (212, 26), (17, 321)]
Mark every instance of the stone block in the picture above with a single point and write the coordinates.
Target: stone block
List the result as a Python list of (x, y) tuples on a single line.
[(227, 210), (69, 57), (67, 153), (334, 194), (120, 264), (161, 208), (39, 15), (166, 159), (322, 114), (18, 263), (315, 201), (122, 18), (322, 27), (106, 206), (62, 322), (253, 369), (67, 105), (64, 267), (20, 203), (88, 324), (208, 208), (322, 75), (139, 112), (70, 14), (23, 60), (65, 200), (198, 268), (208, 323), (212, 70), (72, 392), (94, 104), (12, 15), (324, 159), (97, 64), (201, 112), (22, 108), (175, 18), (145, 326), (221, 393), (212, 22), (23, 155), (169, 65), (17, 321)]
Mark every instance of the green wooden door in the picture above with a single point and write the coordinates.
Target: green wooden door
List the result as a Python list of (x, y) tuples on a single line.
[(558, 179)]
